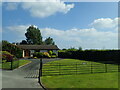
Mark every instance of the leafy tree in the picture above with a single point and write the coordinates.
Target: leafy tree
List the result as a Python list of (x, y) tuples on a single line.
[(49, 41), (64, 49), (80, 48), (13, 49), (33, 35), (71, 49), (23, 42)]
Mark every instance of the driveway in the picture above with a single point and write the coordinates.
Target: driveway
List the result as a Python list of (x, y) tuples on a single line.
[(24, 77)]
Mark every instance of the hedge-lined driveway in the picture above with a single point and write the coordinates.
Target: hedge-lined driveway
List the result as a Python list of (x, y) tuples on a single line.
[(24, 77)]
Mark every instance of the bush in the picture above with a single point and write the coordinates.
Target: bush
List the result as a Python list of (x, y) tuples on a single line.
[(7, 56), (13, 49), (35, 57), (53, 56), (54, 53), (38, 54), (46, 55), (50, 52), (41, 54)]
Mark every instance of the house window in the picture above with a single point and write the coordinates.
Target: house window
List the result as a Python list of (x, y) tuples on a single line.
[(32, 51)]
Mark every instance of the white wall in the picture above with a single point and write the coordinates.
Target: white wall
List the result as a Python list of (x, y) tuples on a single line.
[(31, 53), (23, 53)]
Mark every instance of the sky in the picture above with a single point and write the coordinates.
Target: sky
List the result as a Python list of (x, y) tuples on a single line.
[(90, 25)]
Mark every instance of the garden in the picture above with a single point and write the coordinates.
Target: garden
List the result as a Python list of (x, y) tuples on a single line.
[(10, 56), (49, 54), (10, 62)]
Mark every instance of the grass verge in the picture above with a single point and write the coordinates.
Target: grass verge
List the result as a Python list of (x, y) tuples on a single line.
[(97, 80), (15, 64)]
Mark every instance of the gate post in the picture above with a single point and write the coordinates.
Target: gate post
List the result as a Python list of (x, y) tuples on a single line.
[(40, 71), (11, 64)]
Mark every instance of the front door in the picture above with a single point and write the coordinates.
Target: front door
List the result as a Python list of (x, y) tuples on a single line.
[(27, 53)]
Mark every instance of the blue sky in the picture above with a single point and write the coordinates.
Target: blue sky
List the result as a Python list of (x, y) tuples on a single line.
[(85, 24)]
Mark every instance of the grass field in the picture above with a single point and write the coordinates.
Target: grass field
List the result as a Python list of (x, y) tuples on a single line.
[(7, 65), (94, 80)]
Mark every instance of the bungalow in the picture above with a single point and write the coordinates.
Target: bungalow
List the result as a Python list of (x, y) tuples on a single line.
[(28, 50)]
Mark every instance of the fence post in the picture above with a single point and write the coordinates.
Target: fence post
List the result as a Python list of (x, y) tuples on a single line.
[(59, 68), (91, 68), (76, 68), (106, 68), (40, 70)]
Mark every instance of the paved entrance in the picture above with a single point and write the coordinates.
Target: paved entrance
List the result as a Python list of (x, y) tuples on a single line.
[(24, 77)]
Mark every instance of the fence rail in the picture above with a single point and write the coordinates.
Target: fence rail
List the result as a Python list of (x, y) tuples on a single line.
[(77, 68)]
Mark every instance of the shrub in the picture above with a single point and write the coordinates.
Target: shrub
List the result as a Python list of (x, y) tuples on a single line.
[(7, 56), (53, 53), (35, 57), (46, 55), (41, 54), (38, 54), (50, 52), (13, 49), (53, 56)]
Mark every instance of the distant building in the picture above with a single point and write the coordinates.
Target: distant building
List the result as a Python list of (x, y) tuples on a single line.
[(28, 50)]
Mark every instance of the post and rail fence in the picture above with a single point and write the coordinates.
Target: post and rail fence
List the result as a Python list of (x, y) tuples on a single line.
[(51, 69)]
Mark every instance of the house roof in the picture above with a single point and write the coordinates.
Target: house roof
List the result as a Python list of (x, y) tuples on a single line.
[(42, 47)]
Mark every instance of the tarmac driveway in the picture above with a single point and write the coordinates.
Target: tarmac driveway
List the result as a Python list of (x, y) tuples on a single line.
[(24, 77)]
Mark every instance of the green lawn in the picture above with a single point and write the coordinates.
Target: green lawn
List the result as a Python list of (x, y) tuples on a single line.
[(97, 80), (7, 65), (94, 80)]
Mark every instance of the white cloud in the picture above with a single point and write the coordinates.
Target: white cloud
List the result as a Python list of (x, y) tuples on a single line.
[(43, 8), (105, 23), (48, 8), (76, 37), (11, 6), (18, 30), (87, 38)]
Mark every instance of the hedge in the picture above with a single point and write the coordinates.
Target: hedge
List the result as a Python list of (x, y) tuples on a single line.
[(92, 55)]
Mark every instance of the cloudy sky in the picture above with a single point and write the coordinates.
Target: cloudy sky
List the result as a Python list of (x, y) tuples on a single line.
[(71, 24)]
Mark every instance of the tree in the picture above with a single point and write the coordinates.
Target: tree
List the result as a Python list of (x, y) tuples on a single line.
[(80, 48), (49, 41), (33, 35), (23, 42), (13, 49)]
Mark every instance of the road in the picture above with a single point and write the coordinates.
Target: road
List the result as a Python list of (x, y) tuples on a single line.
[(24, 77)]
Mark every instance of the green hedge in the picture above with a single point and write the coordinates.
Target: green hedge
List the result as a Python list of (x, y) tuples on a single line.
[(92, 55)]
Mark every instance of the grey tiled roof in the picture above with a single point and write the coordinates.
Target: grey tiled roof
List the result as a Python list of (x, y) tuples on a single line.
[(42, 47)]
